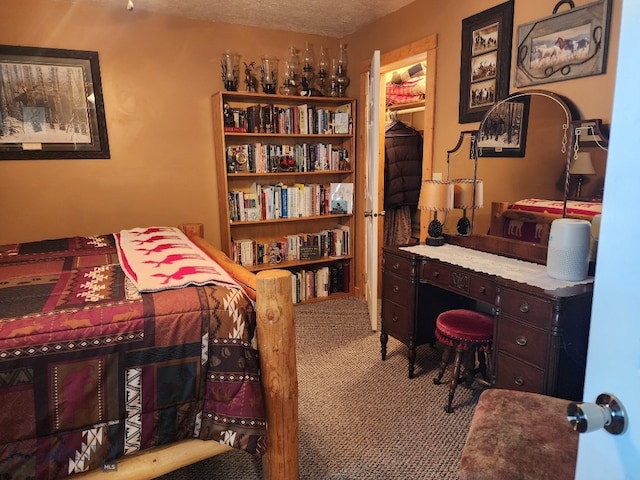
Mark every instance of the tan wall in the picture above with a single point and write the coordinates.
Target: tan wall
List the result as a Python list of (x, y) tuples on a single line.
[(158, 74), (592, 95)]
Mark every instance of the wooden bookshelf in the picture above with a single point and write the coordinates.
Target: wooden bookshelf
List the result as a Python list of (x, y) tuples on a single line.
[(281, 157)]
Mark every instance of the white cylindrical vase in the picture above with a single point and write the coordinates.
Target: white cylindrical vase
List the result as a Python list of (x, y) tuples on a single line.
[(568, 250)]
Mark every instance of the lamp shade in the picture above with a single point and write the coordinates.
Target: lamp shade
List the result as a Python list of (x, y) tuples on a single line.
[(582, 164), (436, 196), (464, 196)]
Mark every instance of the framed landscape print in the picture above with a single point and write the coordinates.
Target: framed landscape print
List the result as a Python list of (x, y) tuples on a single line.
[(564, 46), (51, 104), (486, 61), (503, 133)]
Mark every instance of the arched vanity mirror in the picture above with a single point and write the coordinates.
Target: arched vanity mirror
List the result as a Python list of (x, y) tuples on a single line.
[(524, 148), (531, 158)]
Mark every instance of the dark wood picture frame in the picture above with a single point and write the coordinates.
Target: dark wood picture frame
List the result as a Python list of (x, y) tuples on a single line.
[(486, 61), (51, 104), (566, 45), (503, 132)]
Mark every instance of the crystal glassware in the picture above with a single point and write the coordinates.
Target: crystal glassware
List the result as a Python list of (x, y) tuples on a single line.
[(342, 80), (306, 80), (323, 70), (230, 70), (291, 82), (269, 74)]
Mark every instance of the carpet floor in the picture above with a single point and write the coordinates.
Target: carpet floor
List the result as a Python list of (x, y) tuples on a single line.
[(361, 418)]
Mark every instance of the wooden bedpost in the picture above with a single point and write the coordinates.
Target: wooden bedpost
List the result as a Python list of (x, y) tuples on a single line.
[(277, 347)]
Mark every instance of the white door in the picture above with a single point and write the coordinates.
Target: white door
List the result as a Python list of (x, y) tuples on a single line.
[(613, 362), (371, 188)]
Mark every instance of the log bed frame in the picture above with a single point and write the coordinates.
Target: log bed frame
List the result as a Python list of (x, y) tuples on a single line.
[(276, 344)]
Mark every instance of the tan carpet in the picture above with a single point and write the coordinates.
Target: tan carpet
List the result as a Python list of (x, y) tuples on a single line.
[(361, 418)]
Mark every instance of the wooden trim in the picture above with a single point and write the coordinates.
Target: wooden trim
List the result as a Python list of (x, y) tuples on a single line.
[(276, 344), (157, 461), (506, 247), (420, 50)]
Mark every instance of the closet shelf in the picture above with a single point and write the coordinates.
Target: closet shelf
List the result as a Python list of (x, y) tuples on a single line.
[(413, 106)]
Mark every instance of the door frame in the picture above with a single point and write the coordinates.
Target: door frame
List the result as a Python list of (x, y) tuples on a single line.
[(422, 49)]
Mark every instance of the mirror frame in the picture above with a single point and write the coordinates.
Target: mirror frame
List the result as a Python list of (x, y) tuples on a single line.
[(570, 112), (515, 248)]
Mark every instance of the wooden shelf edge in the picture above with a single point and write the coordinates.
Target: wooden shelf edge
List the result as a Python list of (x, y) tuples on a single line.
[(297, 263), (333, 296), (295, 219), (245, 175), (288, 135), (267, 97)]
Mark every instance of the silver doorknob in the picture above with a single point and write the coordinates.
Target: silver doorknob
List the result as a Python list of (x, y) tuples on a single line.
[(607, 413), (369, 213)]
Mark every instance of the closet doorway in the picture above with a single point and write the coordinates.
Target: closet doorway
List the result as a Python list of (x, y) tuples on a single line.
[(402, 65)]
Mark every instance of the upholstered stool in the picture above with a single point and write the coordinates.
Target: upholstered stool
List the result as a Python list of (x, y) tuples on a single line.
[(468, 332), (519, 436)]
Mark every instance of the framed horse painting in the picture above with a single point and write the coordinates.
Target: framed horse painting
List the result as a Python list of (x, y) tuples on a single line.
[(565, 45), (486, 61)]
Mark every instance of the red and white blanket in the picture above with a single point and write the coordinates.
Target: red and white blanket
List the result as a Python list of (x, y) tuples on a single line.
[(161, 258), (555, 206)]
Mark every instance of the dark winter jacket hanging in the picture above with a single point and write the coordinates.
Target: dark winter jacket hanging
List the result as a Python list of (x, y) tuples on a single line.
[(403, 165)]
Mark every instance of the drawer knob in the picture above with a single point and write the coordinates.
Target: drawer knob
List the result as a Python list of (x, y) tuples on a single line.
[(483, 290), (396, 289), (396, 266), (519, 381), (394, 319), (521, 340), (524, 307), (436, 274)]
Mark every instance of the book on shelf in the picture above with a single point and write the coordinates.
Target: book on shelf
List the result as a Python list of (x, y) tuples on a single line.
[(341, 123), (319, 282), (341, 197), (303, 119)]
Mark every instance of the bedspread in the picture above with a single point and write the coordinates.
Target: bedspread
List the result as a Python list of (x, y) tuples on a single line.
[(91, 369)]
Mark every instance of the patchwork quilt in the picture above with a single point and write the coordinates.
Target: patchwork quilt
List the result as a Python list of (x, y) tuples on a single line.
[(91, 369)]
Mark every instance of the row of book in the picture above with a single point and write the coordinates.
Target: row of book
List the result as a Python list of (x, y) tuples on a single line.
[(319, 282), (294, 119), (301, 246), (281, 201), (264, 158)]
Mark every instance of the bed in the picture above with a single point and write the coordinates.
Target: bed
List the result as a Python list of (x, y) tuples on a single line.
[(119, 357), (530, 219)]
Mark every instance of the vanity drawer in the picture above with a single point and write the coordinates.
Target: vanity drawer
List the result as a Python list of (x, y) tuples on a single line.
[(513, 374), (526, 307), (396, 265), (459, 281), (398, 290), (397, 321), (523, 341)]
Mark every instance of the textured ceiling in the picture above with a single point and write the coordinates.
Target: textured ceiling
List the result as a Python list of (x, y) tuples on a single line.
[(332, 18)]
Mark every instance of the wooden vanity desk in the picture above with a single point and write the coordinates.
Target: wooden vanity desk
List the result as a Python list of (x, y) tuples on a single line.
[(541, 327)]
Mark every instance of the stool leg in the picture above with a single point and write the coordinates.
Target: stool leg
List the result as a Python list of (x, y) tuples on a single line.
[(453, 383), (482, 363), (468, 367), (383, 345), (444, 361)]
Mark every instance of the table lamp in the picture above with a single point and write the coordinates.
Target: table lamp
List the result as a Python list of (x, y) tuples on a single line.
[(435, 196), (467, 193), (581, 166)]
